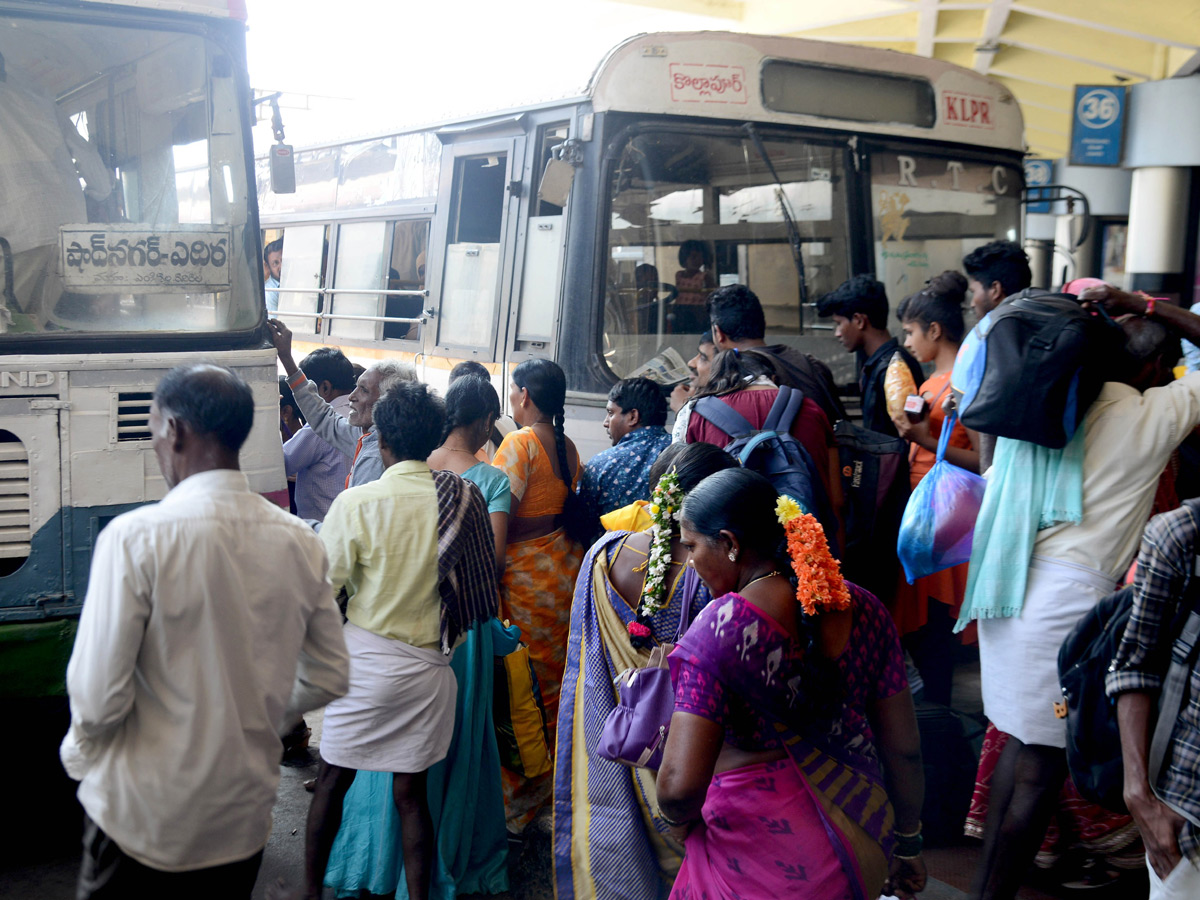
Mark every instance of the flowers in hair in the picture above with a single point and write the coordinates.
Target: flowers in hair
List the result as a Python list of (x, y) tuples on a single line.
[(665, 505), (638, 630), (819, 579)]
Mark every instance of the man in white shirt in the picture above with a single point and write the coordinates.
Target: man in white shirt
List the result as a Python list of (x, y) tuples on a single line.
[(209, 625), (1130, 431)]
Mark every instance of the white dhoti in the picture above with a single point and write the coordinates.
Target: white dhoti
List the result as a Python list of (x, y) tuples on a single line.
[(398, 715), (1018, 656)]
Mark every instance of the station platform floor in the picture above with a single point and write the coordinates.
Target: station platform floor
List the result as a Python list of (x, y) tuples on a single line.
[(39, 862)]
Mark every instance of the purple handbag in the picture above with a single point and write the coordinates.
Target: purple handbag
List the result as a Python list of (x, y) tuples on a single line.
[(634, 733)]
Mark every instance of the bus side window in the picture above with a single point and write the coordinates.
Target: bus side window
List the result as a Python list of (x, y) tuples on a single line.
[(410, 241), (302, 275), (359, 266)]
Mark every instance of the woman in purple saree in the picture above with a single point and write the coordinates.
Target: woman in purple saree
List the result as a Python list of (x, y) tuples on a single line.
[(607, 843), (772, 774)]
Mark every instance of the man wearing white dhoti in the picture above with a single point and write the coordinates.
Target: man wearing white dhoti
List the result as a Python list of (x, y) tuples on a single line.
[(1129, 434), (414, 551)]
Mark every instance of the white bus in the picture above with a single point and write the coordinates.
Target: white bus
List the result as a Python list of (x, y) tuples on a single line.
[(129, 243), (464, 241)]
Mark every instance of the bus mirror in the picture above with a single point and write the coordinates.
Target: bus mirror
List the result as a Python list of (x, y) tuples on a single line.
[(556, 182), (283, 169)]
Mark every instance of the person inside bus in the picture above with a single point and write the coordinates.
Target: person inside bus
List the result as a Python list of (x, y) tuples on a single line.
[(353, 435), (273, 265), (738, 322), (405, 307), (859, 308), (694, 281), (43, 159)]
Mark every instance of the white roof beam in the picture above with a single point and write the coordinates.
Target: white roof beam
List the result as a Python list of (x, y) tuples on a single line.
[(1017, 76), (989, 42), (927, 16), (1082, 60), (1100, 26)]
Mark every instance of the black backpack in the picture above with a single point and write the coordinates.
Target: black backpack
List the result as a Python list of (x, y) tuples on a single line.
[(773, 452), (1033, 367), (1093, 741), (875, 489), (1093, 737)]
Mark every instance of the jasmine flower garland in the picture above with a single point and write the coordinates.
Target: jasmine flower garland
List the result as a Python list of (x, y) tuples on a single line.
[(666, 503)]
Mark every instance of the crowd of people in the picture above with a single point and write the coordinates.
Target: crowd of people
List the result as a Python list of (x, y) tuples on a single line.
[(432, 538)]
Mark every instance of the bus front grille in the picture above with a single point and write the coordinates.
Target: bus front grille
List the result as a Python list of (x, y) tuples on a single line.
[(14, 503), (133, 416)]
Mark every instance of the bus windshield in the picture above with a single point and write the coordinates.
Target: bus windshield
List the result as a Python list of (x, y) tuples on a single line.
[(123, 173), (692, 212)]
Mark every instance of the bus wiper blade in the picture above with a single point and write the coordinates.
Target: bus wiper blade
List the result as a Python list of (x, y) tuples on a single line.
[(793, 232)]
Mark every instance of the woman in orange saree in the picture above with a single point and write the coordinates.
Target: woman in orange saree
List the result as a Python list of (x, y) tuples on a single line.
[(542, 465)]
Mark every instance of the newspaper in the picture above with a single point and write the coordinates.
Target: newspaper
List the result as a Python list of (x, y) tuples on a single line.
[(666, 368)]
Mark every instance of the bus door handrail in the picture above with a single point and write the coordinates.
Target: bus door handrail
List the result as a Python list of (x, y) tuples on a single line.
[(279, 313), (423, 292)]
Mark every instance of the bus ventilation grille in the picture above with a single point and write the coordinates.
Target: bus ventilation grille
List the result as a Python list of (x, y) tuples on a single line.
[(14, 503), (133, 416)]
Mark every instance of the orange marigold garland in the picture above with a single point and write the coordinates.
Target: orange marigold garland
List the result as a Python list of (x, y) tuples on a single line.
[(820, 583)]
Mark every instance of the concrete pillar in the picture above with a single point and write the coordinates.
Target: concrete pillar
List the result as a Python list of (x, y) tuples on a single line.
[(1158, 227), (1041, 257), (1069, 261)]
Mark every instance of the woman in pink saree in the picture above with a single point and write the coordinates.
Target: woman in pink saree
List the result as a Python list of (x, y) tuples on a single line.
[(792, 714)]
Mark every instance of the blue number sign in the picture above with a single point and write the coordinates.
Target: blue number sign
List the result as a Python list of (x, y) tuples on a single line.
[(1098, 125), (1037, 172)]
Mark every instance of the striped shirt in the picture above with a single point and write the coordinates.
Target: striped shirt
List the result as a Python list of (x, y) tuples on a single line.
[(1165, 567)]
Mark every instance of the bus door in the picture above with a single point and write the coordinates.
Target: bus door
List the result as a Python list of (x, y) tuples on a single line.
[(478, 205), (533, 314), (32, 570), (302, 275)]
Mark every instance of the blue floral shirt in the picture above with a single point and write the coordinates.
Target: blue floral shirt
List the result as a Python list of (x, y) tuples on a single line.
[(615, 477)]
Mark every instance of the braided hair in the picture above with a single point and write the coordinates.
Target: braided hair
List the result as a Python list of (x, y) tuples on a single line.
[(547, 386)]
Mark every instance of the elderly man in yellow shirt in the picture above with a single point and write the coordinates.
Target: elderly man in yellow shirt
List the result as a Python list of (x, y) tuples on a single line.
[(414, 551)]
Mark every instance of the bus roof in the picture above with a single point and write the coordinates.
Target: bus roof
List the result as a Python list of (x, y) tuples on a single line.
[(637, 76), (695, 73), (222, 9)]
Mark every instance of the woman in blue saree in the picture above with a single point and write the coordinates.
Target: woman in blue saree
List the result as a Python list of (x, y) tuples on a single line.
[(607, 842)]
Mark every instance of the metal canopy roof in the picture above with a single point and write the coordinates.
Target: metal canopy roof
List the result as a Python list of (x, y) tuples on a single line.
[(1039, 49)]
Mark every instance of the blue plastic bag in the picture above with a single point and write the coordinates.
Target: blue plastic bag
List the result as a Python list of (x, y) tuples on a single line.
[(939, 521)]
